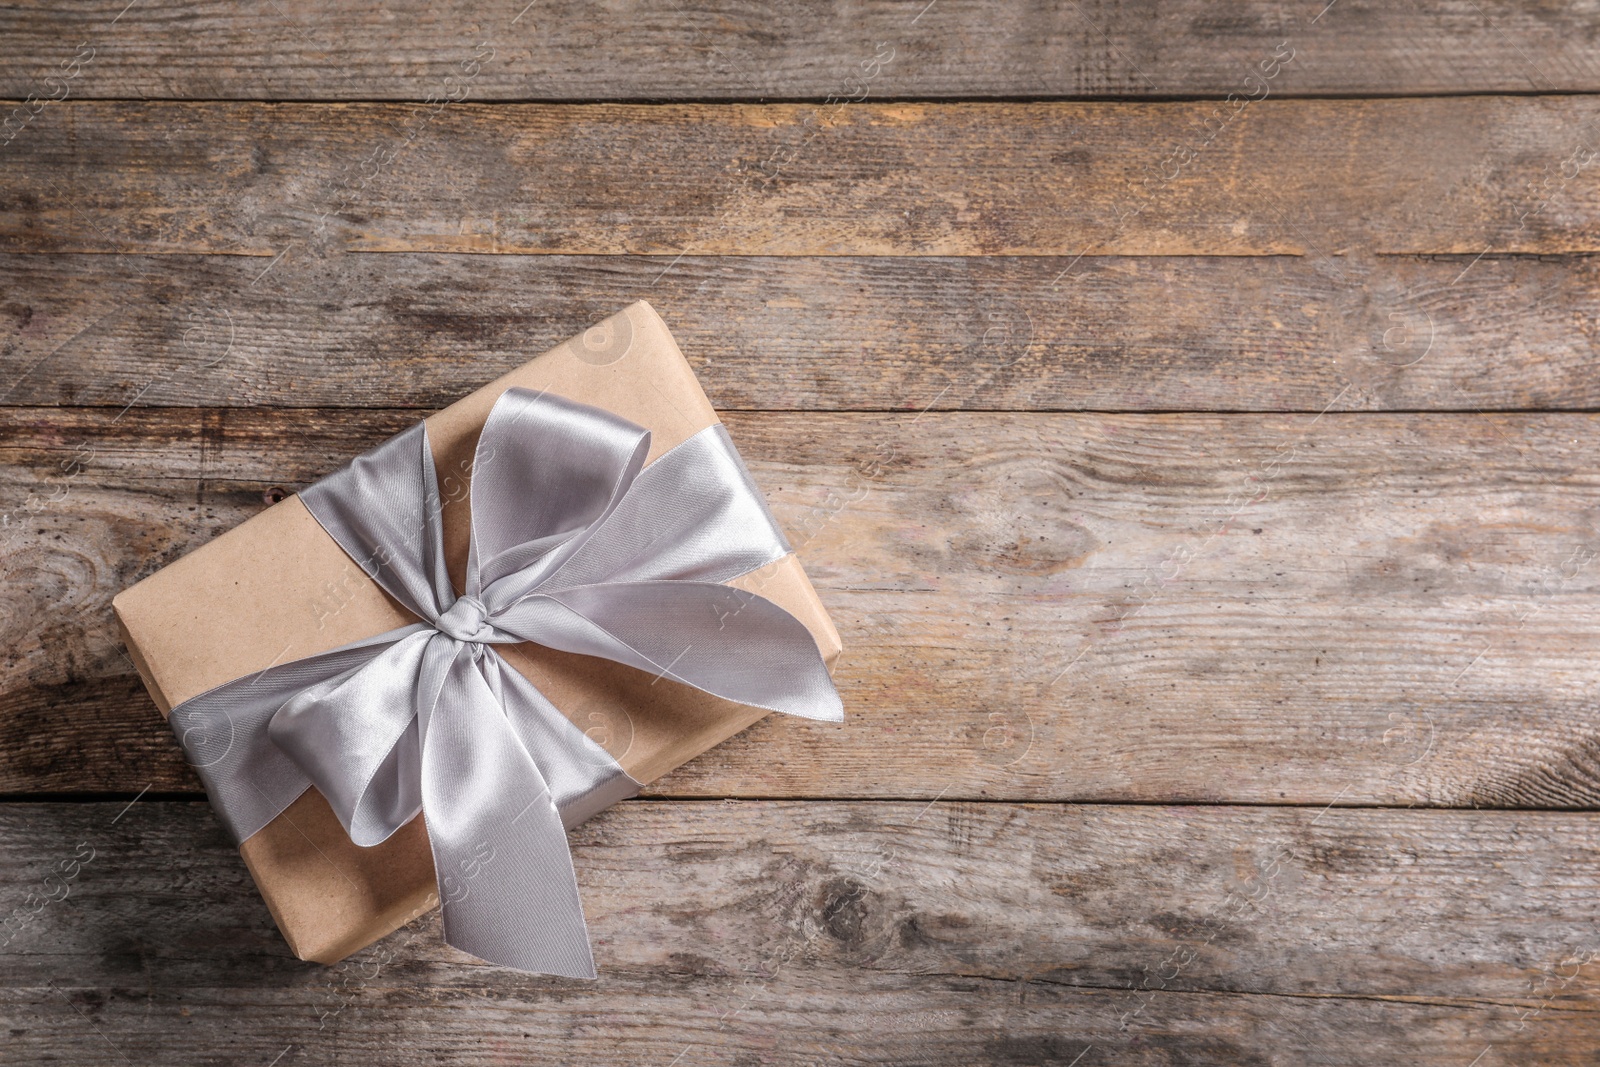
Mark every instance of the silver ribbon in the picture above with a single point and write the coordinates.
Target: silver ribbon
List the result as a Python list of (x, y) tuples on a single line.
[(576, 545)]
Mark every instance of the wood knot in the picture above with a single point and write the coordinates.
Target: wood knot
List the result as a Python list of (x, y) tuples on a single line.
[(845, 911)]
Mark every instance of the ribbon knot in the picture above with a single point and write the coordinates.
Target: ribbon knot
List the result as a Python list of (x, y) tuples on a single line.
[(575, 544), (466, 620)]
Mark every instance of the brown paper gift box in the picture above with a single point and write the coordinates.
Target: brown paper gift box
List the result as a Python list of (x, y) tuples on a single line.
[(278, 588)]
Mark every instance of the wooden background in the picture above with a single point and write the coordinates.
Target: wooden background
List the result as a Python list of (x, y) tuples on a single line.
[(1188, 412)]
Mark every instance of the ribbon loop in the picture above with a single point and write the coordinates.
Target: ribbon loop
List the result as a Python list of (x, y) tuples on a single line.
[(344, 733), (528, 517), (576, 545)]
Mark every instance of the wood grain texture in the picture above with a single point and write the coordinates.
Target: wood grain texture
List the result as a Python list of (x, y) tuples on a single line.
[(1318, 178), (1277, 333), (1361, 608), (239, 245), (729, 49), (852, 933)]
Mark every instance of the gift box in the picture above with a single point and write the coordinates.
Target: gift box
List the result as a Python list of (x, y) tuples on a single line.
[(279, 590)]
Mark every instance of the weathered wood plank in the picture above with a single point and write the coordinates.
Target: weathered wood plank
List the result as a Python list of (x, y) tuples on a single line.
[(1314, 177), (1363, 608), (1211, 333), (291, 49), (852, 933)]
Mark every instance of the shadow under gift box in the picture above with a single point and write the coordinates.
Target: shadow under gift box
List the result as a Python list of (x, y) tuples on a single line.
[(277, 588)]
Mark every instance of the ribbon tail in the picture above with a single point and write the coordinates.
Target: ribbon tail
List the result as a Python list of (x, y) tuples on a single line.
[(506, 882), (583, 777), (725, 641)]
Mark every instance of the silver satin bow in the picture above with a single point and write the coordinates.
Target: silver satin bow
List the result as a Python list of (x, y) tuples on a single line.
[(576, 545)]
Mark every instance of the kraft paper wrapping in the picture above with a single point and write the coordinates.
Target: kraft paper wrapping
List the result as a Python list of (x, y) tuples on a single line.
[(278, 588)]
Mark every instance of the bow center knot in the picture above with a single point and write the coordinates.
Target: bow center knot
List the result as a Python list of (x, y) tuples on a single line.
[(466, 620)]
